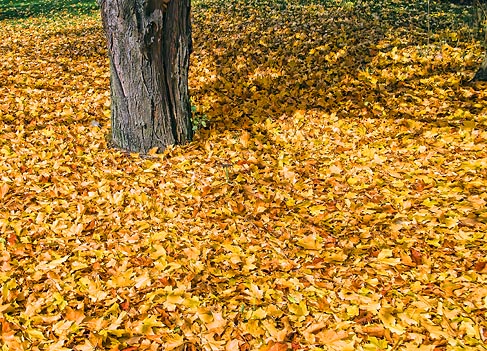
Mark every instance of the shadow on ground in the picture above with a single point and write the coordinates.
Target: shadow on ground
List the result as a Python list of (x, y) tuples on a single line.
[(286, 56)]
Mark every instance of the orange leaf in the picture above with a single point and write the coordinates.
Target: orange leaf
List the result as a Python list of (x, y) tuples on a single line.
[(4, 190), (416, 256), (479, 266), (278, 347), (12, 239)]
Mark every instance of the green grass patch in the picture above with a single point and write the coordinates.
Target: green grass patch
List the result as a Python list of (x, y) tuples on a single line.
[(12, 9)]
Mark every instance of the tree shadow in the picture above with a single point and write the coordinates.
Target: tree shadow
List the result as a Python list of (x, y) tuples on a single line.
[(63, 45), (269, 66), (281, 57), (56, 65)]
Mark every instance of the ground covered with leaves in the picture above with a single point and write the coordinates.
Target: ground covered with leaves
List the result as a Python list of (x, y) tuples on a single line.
[(336, 199)]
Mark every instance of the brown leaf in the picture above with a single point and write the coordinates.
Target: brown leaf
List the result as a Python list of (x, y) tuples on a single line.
[(480, 266), (374, 330), (416, 256)]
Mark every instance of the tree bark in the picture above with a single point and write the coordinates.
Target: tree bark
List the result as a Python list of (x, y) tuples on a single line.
[(481, 74), (149, 43), (481, 14)]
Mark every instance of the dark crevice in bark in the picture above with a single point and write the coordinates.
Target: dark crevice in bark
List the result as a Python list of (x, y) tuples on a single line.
[(153, 111), (166, 48), (117, 93), (170, 105)]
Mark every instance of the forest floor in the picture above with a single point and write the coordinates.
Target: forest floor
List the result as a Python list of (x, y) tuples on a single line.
[(335, 200)]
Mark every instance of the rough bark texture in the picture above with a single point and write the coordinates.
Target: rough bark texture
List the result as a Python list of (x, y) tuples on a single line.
[(480, 17), (481, 74), (149, 43)]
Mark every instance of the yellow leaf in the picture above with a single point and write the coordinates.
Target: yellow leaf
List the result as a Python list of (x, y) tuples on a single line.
[(389, 321), (153, 151), (299, 309), (336, 255), (150, 322), (335, 169), (173, 341), (259, 314), (174, 298), (317, 209), (352, 181), (218, 324), (244, 139), (310, 242), (35, 334), (278, 335), (398, 184)]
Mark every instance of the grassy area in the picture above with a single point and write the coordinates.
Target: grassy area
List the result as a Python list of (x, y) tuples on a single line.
[(14, 9)]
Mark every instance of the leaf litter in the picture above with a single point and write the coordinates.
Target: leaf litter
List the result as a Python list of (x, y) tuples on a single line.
[(336, 201)]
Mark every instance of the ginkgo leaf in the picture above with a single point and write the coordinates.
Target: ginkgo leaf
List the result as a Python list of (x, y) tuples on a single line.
[(299, 309), (310, 242), (35, 334), (389, 321)]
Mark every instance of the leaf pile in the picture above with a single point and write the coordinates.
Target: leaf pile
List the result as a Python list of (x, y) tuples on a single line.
[(337, 201)]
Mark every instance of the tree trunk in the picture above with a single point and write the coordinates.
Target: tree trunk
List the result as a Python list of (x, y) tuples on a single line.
[(481, 13), (481, 74), (149, 43)]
